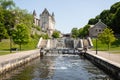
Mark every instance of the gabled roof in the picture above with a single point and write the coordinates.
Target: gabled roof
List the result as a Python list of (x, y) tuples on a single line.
[(45, 11), (99, 24)]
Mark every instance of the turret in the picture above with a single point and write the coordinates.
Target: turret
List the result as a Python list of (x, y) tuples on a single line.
[(53, 14), (34, 13)]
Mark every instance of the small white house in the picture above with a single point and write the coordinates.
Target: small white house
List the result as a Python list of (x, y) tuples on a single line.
[(94, 30)]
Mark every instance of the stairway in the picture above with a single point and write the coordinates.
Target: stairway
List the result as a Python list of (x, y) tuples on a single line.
[(43, 43), (85, 42)]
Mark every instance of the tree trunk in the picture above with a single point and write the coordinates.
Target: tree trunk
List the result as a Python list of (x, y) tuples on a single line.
[(108, 46), (0, 40), (20, 47)]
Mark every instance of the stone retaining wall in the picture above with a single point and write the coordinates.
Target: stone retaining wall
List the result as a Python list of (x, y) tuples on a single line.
[(6, 66), (108, 66)]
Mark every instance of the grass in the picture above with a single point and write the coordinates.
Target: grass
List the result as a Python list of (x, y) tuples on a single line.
[(5, 46), (4, 53), (115, 47)]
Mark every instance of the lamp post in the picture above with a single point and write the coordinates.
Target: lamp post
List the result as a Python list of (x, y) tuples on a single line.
[(96, 46), (10, 44), (11, 39)]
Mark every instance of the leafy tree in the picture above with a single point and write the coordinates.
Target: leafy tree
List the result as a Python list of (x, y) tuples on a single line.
[(21, 35), (75, 32), (3, 32), (7, 4), (92, 21), (83, 32), (107, 37), (56, 34), (106, 17), (22, 16), (86, 30), (9, 20), (1, 15), (115, 23), (80, 31), (114, 7), (44, 36), (109, 17)]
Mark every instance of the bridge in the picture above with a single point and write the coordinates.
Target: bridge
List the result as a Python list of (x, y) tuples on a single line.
[(65, 45)]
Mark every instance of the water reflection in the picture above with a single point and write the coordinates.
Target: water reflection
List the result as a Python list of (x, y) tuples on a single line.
[(62, 67)]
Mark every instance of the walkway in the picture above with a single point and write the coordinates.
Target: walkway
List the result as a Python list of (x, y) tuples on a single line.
[(114, 58), (17, 55)]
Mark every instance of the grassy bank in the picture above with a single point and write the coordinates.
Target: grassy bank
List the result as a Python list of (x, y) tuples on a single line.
[(115, 47), (5, 46)]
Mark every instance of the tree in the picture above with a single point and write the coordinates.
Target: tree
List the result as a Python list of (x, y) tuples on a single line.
[(115, 23), (83, 32), (92, 21), (86, 30), (80, 31), (7, 4), (3, 32), (9, 20), (107, 37), (21, 35), (74, 32), (56, 34)]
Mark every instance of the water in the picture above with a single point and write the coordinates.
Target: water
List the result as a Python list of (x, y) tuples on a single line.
[(71, 67)]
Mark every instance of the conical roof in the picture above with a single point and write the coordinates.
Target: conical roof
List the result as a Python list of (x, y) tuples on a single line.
[(34, 13)]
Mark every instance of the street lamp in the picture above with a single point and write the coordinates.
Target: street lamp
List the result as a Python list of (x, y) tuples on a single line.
[(10, 44), (11, 39), (96, 46)]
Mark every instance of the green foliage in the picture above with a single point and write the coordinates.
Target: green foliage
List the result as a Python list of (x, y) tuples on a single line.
[(38, 28), (9, 20), (107, 37), (21, 35), (75, 32), (5, 46), (7, 4), (83, 32), (80, 32), (116, 24), (106, 17), (44, 36), (56, 34), (22, 16), (114, 7), (3, 32), (1, 15), (92, 21), (110, 17), (104, 47)]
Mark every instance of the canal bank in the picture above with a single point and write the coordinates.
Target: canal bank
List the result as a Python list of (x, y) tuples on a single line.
[(105, 62), (12, 61)]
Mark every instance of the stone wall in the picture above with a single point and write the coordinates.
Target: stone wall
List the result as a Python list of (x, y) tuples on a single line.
[(105, 65)]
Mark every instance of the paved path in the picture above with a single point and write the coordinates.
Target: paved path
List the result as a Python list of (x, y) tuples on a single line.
[(110, 56), (17, 55)]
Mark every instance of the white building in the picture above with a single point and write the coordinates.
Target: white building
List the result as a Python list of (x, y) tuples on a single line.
[(46, 21), (96, 29)]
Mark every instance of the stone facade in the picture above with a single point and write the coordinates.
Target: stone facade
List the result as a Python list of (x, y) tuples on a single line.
[(46, 21), (94, 30)]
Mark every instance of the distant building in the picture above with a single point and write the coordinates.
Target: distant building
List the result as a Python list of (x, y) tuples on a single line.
[(46, 21), (94, 30)]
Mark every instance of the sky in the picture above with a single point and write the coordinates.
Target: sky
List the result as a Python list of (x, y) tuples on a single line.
[(68, 13)]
